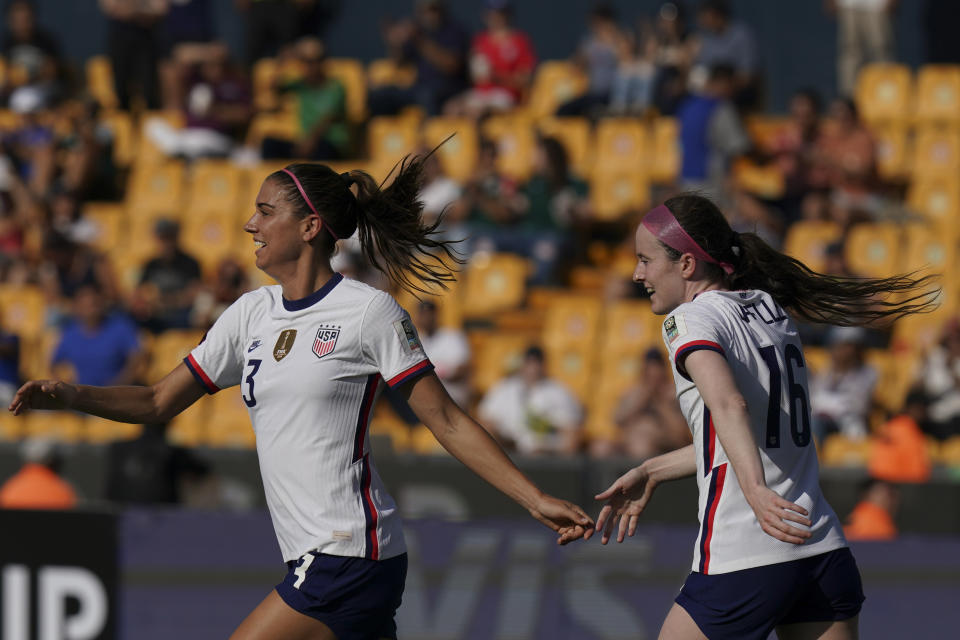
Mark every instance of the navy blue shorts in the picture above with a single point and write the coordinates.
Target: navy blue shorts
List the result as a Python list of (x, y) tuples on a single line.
[(749, 604), (356, 597)]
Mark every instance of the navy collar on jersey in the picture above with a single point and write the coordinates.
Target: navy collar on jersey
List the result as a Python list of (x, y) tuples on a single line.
[(315, 297)]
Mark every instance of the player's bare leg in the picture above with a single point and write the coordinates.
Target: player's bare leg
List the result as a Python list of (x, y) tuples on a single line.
[(839, 630), (273, 619), (680, 626)]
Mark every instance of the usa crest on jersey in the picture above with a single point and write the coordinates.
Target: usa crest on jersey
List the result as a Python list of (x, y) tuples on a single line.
[(325, 341)]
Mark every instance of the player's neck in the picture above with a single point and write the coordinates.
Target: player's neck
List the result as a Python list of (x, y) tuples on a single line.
[(700, 286), (303, 282)]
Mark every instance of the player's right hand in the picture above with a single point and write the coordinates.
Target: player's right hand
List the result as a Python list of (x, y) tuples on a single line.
[(626, 499), (43, 394), (775, 514)]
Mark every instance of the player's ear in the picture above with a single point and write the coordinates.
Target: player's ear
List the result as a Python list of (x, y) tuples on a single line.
[(688, 265), (311, 226)]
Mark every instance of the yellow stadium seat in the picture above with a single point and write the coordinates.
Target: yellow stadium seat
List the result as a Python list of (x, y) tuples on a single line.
[(613, 195), (169, 349), (840, 451), (764, 130), (938, 94), (264, 75), (873, 250), (572, 320), (895, 373), (928, 248), (575, 136), (384, 72), (211, 239), (458, 155), (350, 72), (389, 140), (600, 424), (228, 422), (763, 180), (893, 156), (449, 311), (555, 82), (495, 356), (807, 240), (423, 442), (936, 199), (120, 125), (63, 426), (216, 187), (816, 358), (665, 162), (36, 355), (883, 93), (620, 146), (630, 327), (282, 125), (157, 190), (11, 426), (937, 153), (189, 429), (494, 283), (950, 452), (385, 422), (22, 310), (516, 144), (573, 366), (100, 84), (108, 222), (100, 430)]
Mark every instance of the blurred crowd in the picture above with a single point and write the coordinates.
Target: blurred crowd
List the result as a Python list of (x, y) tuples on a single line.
[(694, 66)]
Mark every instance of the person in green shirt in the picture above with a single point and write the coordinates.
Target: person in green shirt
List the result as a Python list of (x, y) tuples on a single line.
[(321, 103)]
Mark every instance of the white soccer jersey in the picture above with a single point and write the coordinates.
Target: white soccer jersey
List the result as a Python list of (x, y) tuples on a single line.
[(310, 371), (761, 346)]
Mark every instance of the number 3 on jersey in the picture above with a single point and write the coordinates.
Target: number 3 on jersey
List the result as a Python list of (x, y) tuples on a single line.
[(252, 400), (799, 408)]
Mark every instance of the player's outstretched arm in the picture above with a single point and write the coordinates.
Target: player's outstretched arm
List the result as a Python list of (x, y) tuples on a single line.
[(139, 405), (470, 443), (714, 379), (628, 496)]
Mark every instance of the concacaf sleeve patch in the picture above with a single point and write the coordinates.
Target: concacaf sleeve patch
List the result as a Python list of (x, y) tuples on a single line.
[(407, 335), (675, 327)]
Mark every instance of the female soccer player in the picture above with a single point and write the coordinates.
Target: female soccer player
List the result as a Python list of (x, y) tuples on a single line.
[(771, 552), (311, 355)]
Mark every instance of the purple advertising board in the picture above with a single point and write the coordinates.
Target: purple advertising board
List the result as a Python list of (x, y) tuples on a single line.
[(197, 575)]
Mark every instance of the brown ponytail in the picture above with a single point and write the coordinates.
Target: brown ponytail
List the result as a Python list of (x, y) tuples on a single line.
[(392, 233), (812, 296)]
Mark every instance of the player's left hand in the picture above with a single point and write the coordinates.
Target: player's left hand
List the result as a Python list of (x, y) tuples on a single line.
[(567, 519)]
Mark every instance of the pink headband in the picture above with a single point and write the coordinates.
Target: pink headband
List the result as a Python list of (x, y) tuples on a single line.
[(665, 228), (310, 204)]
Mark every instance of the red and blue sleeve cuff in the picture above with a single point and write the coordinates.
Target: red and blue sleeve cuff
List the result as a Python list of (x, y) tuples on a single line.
[(689, 348), (200, 375), (417, 370)]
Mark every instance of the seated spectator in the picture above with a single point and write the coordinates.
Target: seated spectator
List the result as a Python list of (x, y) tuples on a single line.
[(489, 200), (68, 266), (448, 350), (598, 56), (536, 222), (149, 470), (186, 23), (439, 191), (31, 146), (898, 451), (872, 518), (38, 484), (168, 284), (634, 81), (100, 347), (437, 46), (648, 414), (711, 134), (724, 41), (674, 52), (939, 377), (9, 366), (32, 54), (844, 167), (217, 104), (229, 283), (841, 396), (502, 63), (531, 413), (133, 37), (321, 104)]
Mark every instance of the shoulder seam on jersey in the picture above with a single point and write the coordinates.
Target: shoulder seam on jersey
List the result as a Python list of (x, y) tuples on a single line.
[(363, 318)]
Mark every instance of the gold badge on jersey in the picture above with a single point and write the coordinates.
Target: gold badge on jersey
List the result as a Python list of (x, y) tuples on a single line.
[(284, 342)]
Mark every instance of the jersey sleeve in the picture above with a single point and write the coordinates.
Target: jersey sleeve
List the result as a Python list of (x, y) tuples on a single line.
[(690, 329), (217, 362), (390, 341)]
